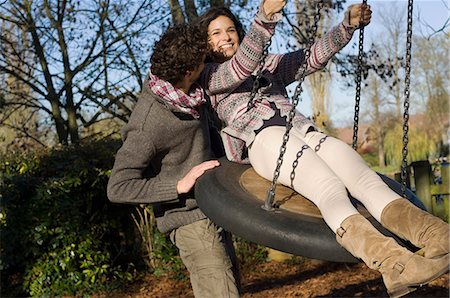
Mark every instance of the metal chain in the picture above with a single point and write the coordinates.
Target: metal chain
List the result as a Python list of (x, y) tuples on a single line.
[(268, 205), (406, 103), (295, 163), (358, 83), (300, 153), (256, 83)]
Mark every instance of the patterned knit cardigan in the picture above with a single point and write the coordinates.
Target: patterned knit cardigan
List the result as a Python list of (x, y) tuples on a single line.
[(229, 84)]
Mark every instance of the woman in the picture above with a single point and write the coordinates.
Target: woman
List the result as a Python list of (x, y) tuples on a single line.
[(324, 172)]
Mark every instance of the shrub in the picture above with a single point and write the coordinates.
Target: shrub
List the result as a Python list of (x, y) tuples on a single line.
[(60, 235), (249, 254), (158, 252)]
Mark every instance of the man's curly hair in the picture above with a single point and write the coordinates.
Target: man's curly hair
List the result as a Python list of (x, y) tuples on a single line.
[(180, 49)]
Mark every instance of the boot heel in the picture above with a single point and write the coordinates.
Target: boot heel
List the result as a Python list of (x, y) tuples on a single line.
[(401, 291)]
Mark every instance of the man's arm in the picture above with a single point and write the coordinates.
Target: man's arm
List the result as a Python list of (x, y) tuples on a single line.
[(128, 184)]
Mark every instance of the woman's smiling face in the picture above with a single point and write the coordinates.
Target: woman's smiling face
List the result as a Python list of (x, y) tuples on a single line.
[(223, 38)]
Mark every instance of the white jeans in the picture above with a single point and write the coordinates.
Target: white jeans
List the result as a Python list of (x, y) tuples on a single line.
[(323, 176)]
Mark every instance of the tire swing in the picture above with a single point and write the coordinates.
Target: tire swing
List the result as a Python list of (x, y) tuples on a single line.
[(236, 198)]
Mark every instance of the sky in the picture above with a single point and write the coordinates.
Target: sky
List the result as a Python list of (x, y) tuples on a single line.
[(428, 15)]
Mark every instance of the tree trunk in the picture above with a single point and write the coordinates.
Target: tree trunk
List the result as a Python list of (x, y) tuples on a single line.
[(191, 10), (319, 85), (51, 93), (72, 125), (71, 116), (397, 95), (177, 12), (319, 82), (216, 3), (380, 147), (377, 121), (70, 108)]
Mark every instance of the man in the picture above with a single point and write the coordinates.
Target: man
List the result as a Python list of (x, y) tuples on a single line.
[(166, 147)]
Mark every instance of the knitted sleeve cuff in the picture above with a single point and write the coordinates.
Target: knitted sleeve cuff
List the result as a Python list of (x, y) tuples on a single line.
[(348, 29), (166, 190)]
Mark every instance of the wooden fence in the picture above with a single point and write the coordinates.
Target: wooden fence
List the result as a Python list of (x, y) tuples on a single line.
[(431, 184)]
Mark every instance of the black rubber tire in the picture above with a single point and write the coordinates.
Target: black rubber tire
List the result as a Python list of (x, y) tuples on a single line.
[(221, 197)]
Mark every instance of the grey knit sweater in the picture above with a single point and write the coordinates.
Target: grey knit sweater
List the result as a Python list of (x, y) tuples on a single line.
[(160, 145)]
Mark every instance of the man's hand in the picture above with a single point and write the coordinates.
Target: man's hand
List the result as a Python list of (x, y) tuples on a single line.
[(271, 7), (357, 16), (188, 181)]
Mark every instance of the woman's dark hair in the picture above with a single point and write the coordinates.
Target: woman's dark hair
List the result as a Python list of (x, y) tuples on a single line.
[(179, 50), (212, 14)]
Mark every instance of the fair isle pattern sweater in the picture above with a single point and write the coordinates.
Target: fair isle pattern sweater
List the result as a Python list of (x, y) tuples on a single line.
[(160, 146), (229, 84)]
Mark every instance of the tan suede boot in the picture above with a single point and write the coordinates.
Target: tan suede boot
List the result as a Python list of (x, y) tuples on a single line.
[(402, 270), (417, 226)]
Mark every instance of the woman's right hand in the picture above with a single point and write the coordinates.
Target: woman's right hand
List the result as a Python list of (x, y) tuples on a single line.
[(187, 182), (272, 7), (357, 16)]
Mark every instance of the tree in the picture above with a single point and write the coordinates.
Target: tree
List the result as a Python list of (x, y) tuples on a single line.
[(188, 12), (317, 84), (380, 121), (431, 83), (395, 36), (84, 60), (20, 121), (383, 71), (429, 126)]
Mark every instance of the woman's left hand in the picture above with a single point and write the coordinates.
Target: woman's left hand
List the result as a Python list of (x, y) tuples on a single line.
[(357, 16)]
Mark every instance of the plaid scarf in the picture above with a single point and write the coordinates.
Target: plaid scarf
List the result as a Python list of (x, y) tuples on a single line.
[(187, 103)]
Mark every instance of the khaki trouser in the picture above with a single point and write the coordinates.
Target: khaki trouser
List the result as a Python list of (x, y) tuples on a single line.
[(205, 253)]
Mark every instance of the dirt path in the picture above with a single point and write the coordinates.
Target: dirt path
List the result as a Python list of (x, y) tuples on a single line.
[(309, 278)]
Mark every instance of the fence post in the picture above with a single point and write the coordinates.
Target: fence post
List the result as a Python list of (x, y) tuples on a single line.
[(440, 192), (422, 181)]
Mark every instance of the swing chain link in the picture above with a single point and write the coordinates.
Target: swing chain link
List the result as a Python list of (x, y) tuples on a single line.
[(295, 163), (358, 80), (257, 81), (300, 154), (301, 74), (406, 103)]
